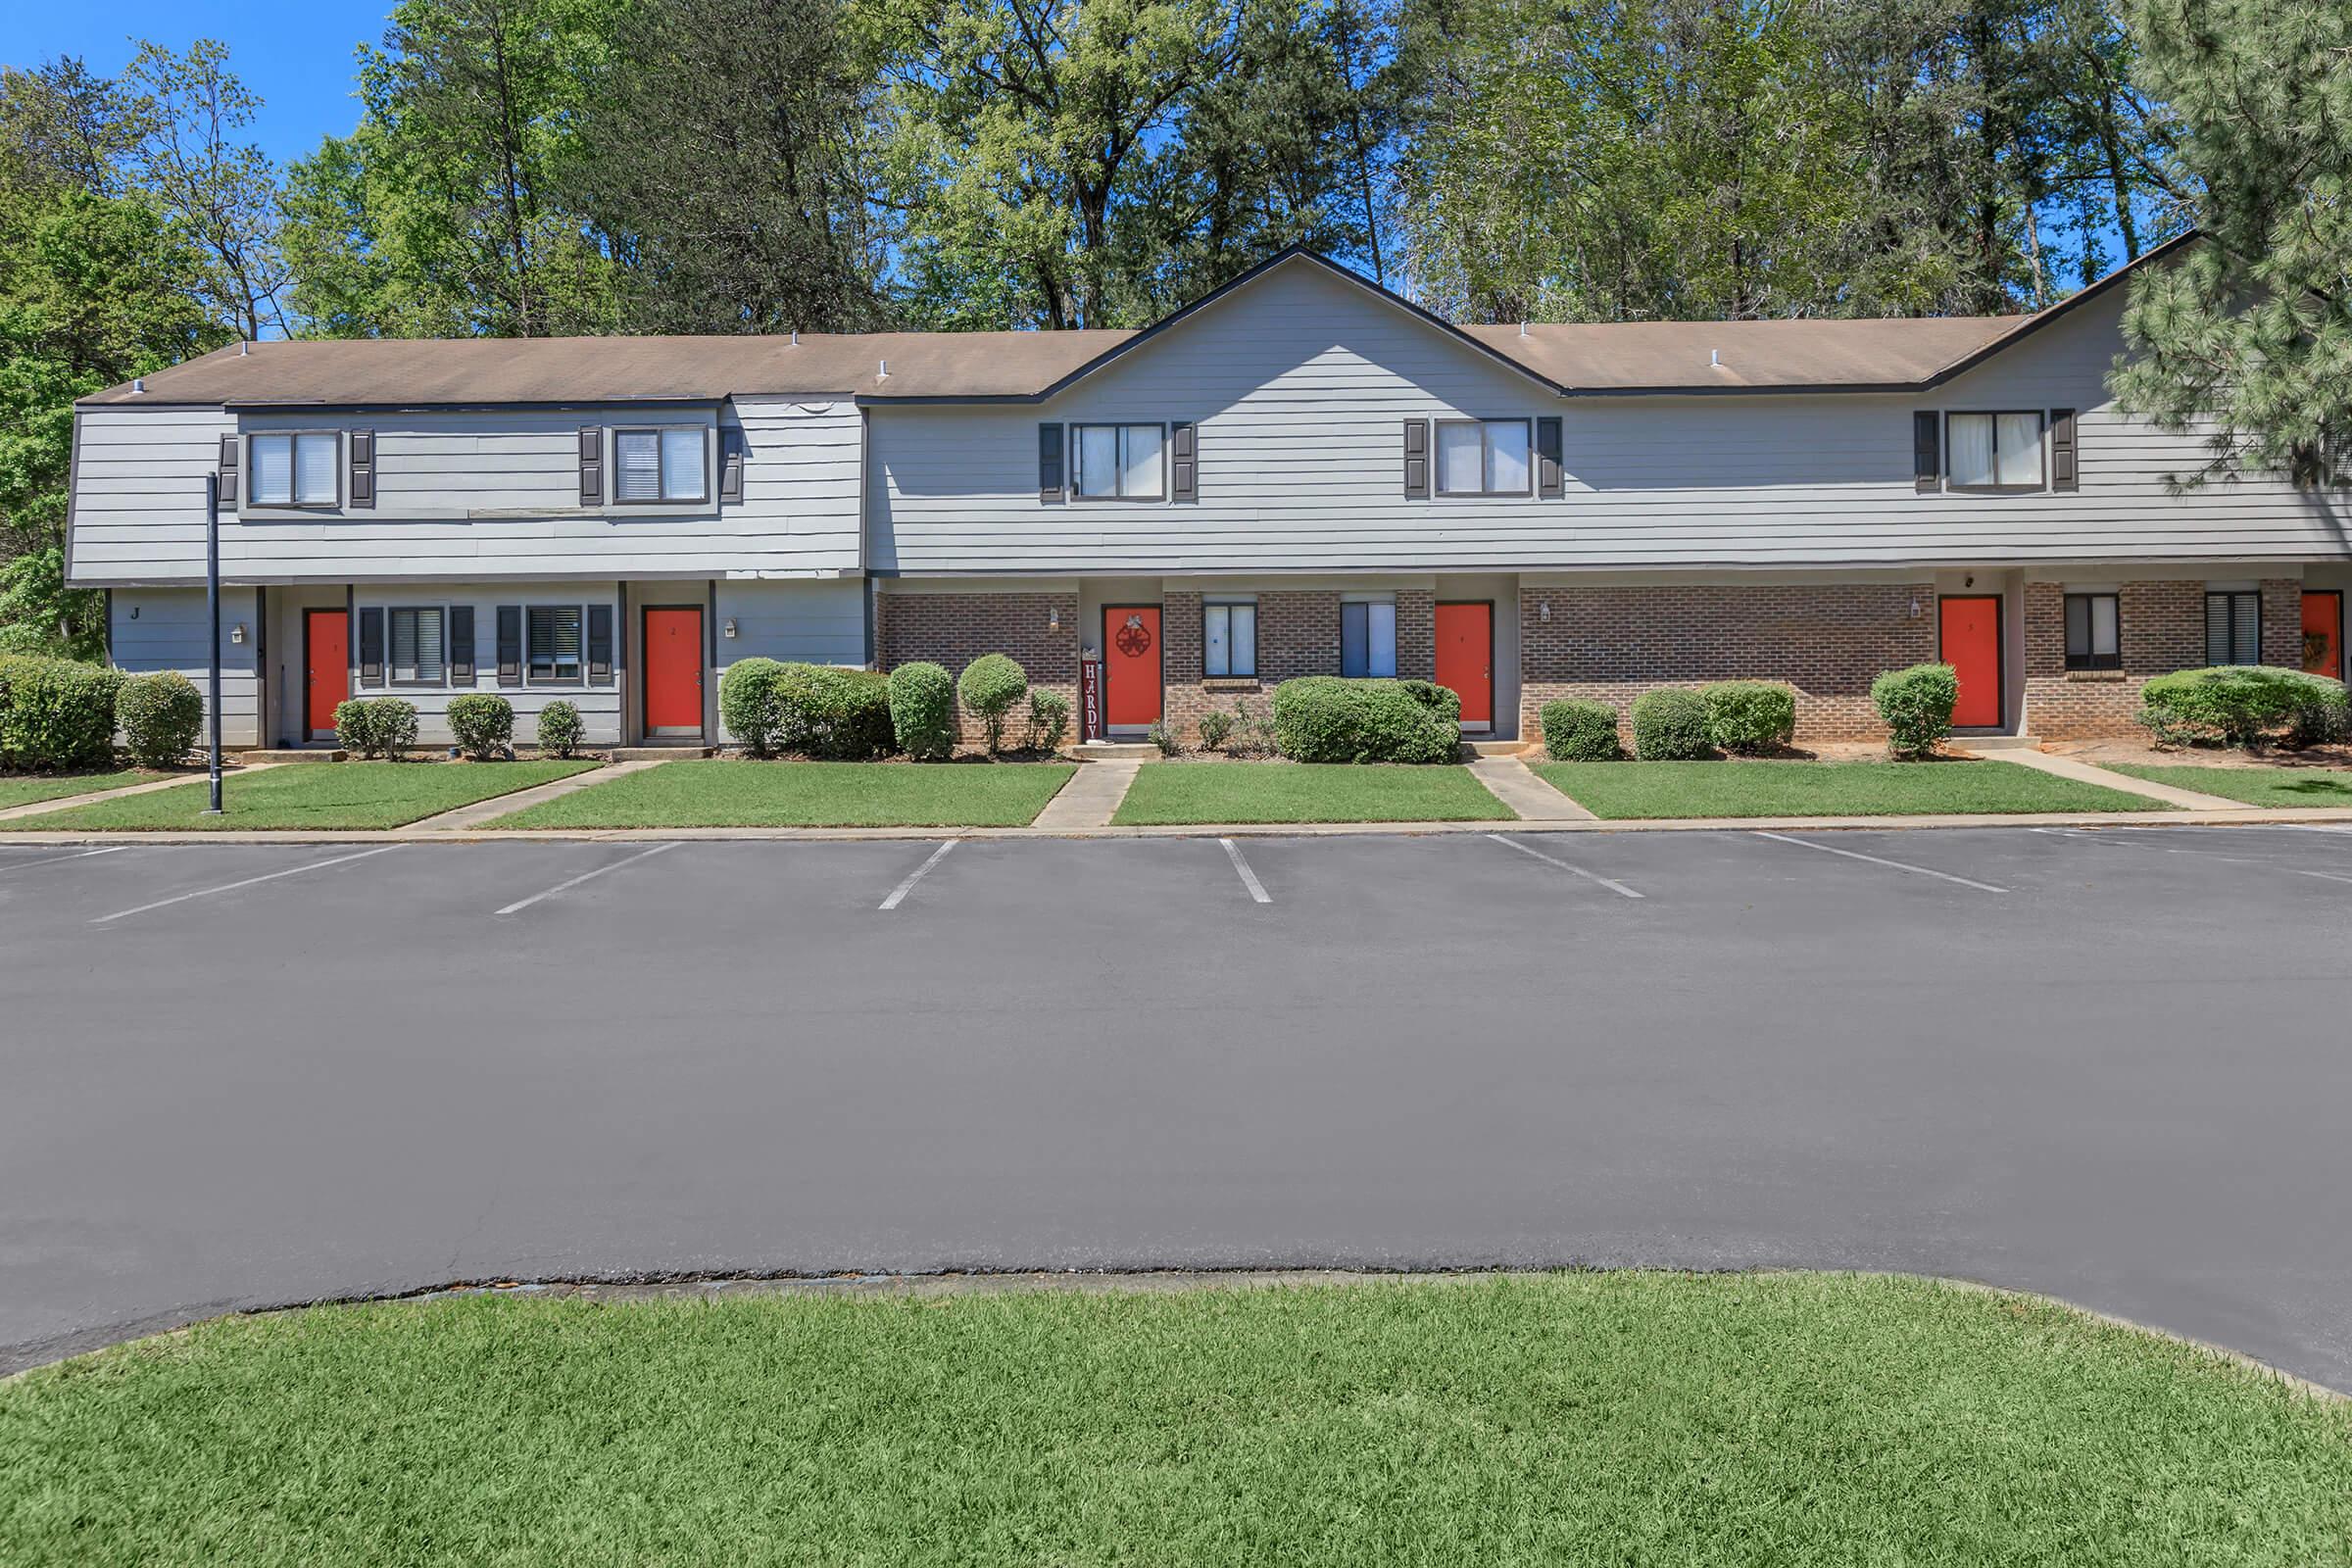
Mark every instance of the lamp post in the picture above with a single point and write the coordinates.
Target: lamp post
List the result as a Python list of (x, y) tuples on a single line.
[(212, 605)]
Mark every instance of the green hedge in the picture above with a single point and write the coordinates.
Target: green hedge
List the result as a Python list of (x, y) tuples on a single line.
[(1578, 731), (1327, 718), (56, 713), (482, 723), (1746, 717), (922, 711), (989, 686), (161, 714), (1916, 706), (2243, 705), (1049, 720), (749, 706), (841, 716), (560, 729), (376, 726), (1670, 725)]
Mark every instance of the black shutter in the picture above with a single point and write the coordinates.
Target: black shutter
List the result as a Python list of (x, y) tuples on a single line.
[(371, 647), (461, 645), (1184, 465), (1547, 457), (730, 465), (510, 644), (592, 467), (362, 488), (2063, 474), (230, 446), (1926, 452), (1416, 460), (1048, 462), (600, 643)]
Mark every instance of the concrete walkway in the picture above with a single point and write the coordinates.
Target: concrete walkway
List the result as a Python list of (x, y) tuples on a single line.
[(2084, 773), (67, 802), (1517, 786), (1089, 798), (498, 805)]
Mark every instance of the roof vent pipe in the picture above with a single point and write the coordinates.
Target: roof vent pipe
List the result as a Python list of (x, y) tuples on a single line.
[(1523, 329), (138, 383), (883, 374), (244, 347), (796, 338), (1715, 356)]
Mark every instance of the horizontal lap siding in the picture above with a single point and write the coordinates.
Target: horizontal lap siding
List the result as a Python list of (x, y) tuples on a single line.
[(600, 706), (164, 628), (791, 622)]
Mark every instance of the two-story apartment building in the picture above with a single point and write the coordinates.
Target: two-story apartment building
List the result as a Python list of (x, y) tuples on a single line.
[(1301, 474)]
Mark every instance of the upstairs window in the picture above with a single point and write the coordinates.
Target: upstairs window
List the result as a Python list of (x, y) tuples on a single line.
[(2092, 632), (1121, 463), (1368, 637), (1483, 458), (1994, 451), (659, 465), (1229, 638), (294, 470), (418, 650), (2233, 628), (553, 640)]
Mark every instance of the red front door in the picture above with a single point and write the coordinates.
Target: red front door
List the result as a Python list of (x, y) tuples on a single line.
[(1466, 657), (1131, 664), (1971, 628), (673, 672), (325, 668), (2323, 632)]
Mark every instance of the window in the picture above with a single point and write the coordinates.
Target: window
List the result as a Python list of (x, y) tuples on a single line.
[(1120, 462), (552, 642), (1229, 638), (295, 470), (1482, 457), (1368, 637), (1994, 451), (2233, 628), (418, 654), (2092, 624), (659, 465)]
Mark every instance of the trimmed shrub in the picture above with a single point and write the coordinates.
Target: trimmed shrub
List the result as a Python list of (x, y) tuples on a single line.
[(1214, 726), (1162, 734), (749, 705), (1049, 720), (1670, 725), (376, 726), (922, 711), (989, 686), (1916, 706), (2243, 705), (482, 723), (1328, 718), (1578, 731), (561, 730), (56, 713), (827, 711), (1748, 716), (161, 713)]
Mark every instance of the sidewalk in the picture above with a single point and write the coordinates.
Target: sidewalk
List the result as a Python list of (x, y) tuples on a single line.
[(67, 802), (2084, 773)]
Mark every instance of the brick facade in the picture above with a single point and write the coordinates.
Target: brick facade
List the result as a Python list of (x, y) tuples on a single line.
[(2160, 627), (1298, 634), (954, 630), (1827, 640)]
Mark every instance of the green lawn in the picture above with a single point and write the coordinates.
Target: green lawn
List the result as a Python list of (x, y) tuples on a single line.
[(313, 795), (1626, 789), (1306, 792), (2256, 786), (24, 789), (728, 793), (1587, 1418)]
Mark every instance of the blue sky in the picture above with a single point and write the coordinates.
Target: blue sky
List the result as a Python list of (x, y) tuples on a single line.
[(296, 54)]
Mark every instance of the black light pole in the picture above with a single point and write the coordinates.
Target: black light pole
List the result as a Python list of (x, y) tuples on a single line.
[(212, 605)]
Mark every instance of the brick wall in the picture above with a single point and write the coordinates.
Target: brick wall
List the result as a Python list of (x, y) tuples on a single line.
[(2160, 627), (1298, 634), (1827, 640), (954, 630)]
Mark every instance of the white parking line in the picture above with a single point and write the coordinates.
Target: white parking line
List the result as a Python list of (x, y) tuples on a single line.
[(1615, 887), (250, 881), (520, 904), (898, 895), (1896, 865), (1257, 889), (2241, 860), (83, 854)]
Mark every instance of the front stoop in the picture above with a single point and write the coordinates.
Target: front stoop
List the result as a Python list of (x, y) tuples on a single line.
[(306, 753), (2084, 773), (1089, 798), (1113, 752), (661, 753), (1517, 786)]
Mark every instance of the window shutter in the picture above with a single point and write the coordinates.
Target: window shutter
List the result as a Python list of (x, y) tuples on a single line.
[(371, 647), (510, 644), (1547, 457), (362, 488), (230, 446), (600, 643), (461, 645), (1048, 462), (730, 465), (592, 467), (1926, 452), (1416, 460), (2062, 450), (1184, 467)]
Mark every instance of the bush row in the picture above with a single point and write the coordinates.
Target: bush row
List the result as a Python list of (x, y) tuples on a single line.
[(855, 715), (482, 723), (2244, 704), (1672, 723), (1330, 719)]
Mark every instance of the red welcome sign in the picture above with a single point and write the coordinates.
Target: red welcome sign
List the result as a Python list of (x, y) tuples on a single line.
[(1090, 697)]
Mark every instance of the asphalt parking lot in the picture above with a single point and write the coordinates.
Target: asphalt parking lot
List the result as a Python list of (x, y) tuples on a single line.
[(2112, 1065)]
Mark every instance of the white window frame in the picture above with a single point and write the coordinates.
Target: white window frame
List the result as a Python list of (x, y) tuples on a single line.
[(295, 501), (1485, 457), (1076, 442), (2042, 451), (579, 680), (392, 615), (660, 496), (1208, 608)]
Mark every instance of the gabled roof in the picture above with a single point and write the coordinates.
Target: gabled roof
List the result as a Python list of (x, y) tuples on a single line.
[(1571, 359)]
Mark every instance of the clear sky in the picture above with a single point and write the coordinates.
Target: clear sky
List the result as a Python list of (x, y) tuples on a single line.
[(296, 54)]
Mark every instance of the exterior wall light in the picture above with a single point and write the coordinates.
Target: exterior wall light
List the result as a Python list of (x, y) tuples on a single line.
[(1054, 618), (728, 629), (236, 633), (1544, 610)]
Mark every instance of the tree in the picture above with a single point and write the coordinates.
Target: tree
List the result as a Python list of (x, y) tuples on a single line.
[(2248, 337)]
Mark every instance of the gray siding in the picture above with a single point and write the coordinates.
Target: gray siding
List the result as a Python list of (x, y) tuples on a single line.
[(803, 622), (600, 706), (155, 629)]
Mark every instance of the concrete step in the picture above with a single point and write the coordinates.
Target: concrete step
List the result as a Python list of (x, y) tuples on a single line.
[(1485, 748), (1115, 752), (659, 754), (1997, 742), (314, 753)]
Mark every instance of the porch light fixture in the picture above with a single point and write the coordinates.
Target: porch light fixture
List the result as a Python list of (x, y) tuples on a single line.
[(236, 633), (1054, 618), (1544, 610), (728, 629), (1915, 607)]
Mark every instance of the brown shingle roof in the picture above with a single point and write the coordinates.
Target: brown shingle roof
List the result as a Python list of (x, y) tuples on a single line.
[(1763, 355)]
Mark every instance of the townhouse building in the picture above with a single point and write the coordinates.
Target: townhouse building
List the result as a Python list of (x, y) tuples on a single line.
[(1300, 473)]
